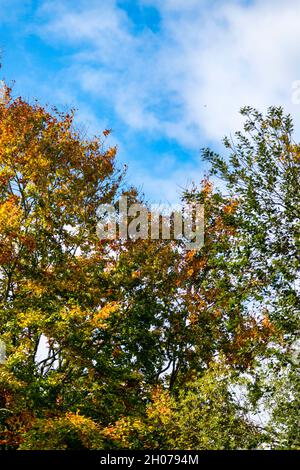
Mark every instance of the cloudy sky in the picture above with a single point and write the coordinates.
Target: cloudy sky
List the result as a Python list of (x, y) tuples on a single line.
[(168, 76)]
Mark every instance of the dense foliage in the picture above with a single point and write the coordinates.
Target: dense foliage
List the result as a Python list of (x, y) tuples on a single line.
[(143, 343)]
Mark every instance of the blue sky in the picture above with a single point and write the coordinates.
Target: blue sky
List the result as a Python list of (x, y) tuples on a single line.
[(168, 76)]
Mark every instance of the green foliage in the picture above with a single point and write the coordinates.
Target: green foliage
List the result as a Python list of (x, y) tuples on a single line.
[(208, 415), (69, 432), (263, 174), (205, 415)]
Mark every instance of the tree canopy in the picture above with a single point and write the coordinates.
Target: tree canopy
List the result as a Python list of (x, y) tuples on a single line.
[(144, 343)]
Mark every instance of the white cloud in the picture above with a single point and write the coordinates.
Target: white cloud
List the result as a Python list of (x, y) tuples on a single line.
[(231, 55), (191, 77), (187, 79)]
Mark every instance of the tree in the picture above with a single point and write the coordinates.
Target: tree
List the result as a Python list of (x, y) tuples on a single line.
[(263, 173), (143, 339), (52, 267), (205, 415), (117, 316)]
